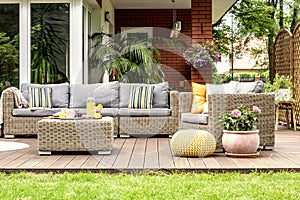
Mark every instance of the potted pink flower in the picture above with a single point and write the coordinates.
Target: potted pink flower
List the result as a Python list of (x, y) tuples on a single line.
[(240, 134)]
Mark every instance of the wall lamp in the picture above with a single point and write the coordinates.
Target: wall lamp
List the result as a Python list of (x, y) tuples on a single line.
[(107, 16)]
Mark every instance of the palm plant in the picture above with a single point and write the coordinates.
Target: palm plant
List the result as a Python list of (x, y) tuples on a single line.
[(49, 36), (133, 61)]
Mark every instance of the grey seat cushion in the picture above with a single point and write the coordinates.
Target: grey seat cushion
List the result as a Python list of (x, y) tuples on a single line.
[(160, 94), (59, 97), (195, 118), (154, 112), (105, 111), (34, 112)]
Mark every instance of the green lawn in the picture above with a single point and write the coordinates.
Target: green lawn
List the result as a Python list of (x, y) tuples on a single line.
[(283, 185)]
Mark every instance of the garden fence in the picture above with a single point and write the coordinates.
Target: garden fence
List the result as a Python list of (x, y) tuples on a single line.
[(286, 55)]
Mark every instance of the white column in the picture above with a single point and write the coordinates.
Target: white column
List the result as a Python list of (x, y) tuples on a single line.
[(24, 49), (76, 64)]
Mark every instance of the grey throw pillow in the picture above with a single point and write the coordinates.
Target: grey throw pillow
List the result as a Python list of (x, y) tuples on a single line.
[(79, 94), (107, 94)]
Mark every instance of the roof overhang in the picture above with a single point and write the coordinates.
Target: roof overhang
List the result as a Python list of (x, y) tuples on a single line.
[(219, 7)]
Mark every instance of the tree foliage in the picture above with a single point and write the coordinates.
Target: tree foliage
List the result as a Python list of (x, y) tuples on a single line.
[(9, 61), (262, 19)]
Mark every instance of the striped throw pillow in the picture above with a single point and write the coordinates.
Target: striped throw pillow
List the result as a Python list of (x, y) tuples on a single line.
[(141, 97), (39, 97)]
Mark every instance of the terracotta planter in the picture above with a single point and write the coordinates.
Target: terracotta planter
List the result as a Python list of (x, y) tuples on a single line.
[(240, 142)]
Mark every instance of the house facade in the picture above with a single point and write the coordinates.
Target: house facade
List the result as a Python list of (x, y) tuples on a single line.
[(81, 18)]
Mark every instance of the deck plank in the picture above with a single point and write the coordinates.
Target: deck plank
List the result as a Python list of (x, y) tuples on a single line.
[(21, 159), (77, 162), (181, 162), (47, 162), (138, 154), (124, 156), (35, 160), (108, 160), (211, 162), (165, 156), (92, 162), (151, 156), (62, 162), (13, 157), (196, 163)]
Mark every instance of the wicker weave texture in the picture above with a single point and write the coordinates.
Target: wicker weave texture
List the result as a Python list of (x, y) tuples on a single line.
[(286, 55), (25, 125), (149, 125), (193, 143), (282, 53), (296, 70), (75, 135), (224, 103), (122, 125)]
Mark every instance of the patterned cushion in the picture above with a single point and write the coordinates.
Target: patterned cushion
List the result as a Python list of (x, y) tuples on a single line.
[(160, 94), (40, 97), (59, 93), (141, 97)]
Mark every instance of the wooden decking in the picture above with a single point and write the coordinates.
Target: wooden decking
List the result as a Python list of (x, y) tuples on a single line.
[(140, 154)]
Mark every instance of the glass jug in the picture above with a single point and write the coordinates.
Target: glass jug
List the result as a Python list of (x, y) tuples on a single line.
[(90, 107)]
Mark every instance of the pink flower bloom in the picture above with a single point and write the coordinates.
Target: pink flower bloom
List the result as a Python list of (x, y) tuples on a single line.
[(256, 109), (236, 112)]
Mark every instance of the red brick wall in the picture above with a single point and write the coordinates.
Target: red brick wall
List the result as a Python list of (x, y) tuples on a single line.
[(201, 32), (177, 73)]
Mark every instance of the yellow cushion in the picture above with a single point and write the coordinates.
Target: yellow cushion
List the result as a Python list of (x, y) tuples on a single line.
[(199, 99)]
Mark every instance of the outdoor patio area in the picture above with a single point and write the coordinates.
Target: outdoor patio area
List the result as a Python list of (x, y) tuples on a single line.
[(143, 154)]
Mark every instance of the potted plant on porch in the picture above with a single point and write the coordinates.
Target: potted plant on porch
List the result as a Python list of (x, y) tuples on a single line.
[(240, 134)]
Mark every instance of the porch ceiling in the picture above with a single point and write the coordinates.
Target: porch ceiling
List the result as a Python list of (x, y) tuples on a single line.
[(219, 7)]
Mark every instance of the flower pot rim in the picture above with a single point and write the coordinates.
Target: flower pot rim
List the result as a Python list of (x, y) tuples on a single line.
[(241, 132)]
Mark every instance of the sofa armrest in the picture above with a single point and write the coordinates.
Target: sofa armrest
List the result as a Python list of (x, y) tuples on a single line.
[(8, 104), (174, 102), (224, 103), (185, 102)]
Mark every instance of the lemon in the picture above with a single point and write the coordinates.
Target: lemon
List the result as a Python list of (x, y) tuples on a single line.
[(97, 115), (100, 106)]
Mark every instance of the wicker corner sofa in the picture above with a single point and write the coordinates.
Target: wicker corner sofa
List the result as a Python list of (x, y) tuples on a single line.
[(224, 103), (161, 119)]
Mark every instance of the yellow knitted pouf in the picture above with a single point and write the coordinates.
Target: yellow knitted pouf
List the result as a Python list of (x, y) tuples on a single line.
[(193, 143)]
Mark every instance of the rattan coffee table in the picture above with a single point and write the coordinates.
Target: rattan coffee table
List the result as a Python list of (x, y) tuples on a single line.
[(94, 135)]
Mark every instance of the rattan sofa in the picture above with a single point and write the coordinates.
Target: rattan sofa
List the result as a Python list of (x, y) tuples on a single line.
[(221, 103), (161, 119)]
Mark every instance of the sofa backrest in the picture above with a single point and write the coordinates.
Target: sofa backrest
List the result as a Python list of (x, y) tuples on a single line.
[(160, 94), (105, 93), (59, 97), (109, 94)]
